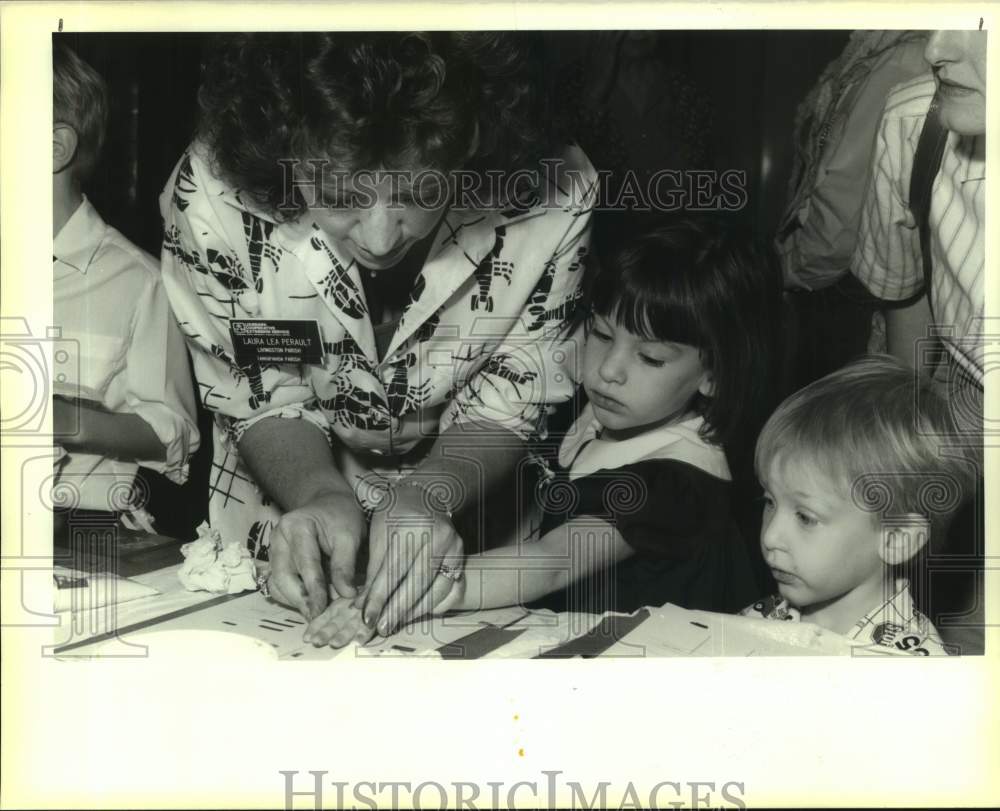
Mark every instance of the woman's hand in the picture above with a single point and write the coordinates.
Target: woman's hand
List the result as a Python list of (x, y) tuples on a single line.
[(416, 556), (330, 523)]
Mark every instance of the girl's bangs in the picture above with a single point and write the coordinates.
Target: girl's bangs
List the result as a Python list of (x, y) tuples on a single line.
[(658, 310)]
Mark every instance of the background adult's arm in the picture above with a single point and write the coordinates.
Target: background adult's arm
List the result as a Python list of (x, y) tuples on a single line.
[(904, 326), (825, 240), (157, 428), (85, 426), (887, 259), (158, 383)]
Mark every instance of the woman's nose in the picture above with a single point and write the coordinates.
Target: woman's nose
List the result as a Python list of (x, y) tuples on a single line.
[(380, 229), (941, 47)]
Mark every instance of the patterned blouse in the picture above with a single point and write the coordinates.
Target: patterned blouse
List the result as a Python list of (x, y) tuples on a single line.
[(479, 340)]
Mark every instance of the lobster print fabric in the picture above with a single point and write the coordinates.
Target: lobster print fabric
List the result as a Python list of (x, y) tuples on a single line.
[(479, 341)]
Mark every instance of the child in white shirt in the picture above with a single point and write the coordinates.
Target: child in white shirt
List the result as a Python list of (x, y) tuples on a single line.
[(855, 482), (124, 396)]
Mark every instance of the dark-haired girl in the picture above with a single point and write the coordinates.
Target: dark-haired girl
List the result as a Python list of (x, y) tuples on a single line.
[(322, 191), (675, 366)]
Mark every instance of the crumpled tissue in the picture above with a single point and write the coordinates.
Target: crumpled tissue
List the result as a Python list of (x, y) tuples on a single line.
[(210, 565)]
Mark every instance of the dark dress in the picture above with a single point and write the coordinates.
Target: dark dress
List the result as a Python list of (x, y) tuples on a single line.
[(677, 518)]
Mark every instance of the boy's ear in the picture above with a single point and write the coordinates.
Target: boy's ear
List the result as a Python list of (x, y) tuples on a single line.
[(64, 144), (707, 385), (903, 537)]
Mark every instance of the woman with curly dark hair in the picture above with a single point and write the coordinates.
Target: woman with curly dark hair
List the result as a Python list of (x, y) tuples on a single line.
[(372, 274)]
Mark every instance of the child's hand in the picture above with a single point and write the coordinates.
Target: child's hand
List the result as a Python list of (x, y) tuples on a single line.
[(337, 625), (451, 599)]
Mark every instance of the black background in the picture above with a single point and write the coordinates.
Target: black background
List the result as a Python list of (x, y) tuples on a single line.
[(753, 79)]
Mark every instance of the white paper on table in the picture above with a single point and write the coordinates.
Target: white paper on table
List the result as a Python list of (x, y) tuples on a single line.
[(669, 631), (752, 636), (281, 628), (250, 615), (675, 631), (546, 630), (424, 637), (80, 591)]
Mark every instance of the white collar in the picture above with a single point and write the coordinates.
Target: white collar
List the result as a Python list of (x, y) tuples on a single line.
[(78, 240), (584, 453)]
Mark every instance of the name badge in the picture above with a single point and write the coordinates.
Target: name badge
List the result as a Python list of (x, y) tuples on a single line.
[(273, 340)]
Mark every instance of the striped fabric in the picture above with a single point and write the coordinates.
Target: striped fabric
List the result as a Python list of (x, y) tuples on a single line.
[(887, 260)]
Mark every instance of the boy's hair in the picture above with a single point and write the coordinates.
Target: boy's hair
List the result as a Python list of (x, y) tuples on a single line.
[(876, 426), (693, 280), (79, 99)]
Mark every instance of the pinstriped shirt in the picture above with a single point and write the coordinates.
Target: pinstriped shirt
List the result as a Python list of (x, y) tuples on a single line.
[(887, 259)]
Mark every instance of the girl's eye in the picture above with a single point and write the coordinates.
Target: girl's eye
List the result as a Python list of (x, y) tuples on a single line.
[(601, 336), (656, 363), (805, 519), (768, 502)]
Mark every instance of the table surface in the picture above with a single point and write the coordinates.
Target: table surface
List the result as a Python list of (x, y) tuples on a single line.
[(665, 631)]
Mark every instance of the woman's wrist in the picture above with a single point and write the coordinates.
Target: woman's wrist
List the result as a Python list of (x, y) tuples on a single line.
[(325, 488), (434, 493), (291, 462)]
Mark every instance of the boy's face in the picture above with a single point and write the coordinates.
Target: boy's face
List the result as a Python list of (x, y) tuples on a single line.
[(819, 545), (635, 384)]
